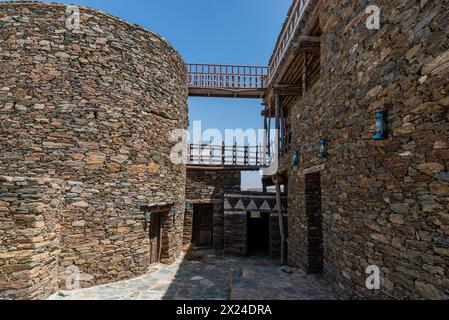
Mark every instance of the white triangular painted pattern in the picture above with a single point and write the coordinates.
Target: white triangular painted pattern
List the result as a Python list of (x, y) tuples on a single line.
[(265, 206), (240, 205), (252, 206), (227, 205)]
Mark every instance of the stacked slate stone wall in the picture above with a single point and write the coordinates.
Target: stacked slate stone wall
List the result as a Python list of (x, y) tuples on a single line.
[(203, 185), (95, 107), (236, 206), (235, 233), (207, 186), (218, 232), (30, 215), (187, 232), (312, 191), (384, 203)]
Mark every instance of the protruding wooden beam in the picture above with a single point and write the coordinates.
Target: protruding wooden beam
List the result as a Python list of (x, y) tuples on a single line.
[(303, 44), (288, 90), (309, 39), (307, 44)]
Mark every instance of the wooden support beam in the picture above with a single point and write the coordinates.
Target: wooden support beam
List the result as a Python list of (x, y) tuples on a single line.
[(268, 112), (281, 218), (269, 134), (278, 120), (304, 75), (304, 44), (223, 153), (307, 44), (282, 130)]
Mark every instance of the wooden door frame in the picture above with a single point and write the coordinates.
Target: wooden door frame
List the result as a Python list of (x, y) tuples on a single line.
[(159, 239), (198, 229), (163, 210)]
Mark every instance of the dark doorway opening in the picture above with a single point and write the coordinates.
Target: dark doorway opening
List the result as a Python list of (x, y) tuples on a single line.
[(155, 238), (258, 233), (203, 218), (315, 249)]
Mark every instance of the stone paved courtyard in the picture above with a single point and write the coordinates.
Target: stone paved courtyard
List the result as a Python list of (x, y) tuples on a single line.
[(207, 278)]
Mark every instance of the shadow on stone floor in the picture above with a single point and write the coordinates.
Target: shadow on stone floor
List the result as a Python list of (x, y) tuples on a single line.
[(202, 275)]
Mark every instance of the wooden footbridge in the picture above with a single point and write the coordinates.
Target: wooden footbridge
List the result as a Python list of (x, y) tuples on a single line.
[(221, 156), (293, 68), (227, 81)]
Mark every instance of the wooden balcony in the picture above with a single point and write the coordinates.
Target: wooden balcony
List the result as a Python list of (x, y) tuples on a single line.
[(295, 62), (291, 28), (227, 81), (216, 157)]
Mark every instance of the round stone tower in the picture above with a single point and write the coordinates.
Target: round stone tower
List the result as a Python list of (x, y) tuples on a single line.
[(90, 100)]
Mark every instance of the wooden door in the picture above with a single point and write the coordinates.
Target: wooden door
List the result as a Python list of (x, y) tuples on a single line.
[(155, 238), (203, 225)]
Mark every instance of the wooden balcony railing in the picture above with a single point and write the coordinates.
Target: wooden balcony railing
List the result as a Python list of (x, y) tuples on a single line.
[(222, 155), (227, 76), (287, 35)]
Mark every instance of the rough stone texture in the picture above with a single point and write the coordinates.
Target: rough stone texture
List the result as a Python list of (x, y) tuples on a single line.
[(94, 107), (235, 227), (218, 232), (187, 232), (385, 202), (235, 233), (204, 185), (208, 187), (30, 214)]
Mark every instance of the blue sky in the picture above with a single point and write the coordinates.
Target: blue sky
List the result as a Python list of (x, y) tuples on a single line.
[(241, 32)]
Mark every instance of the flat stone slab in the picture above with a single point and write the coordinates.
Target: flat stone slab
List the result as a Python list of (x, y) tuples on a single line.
[(208, 279)]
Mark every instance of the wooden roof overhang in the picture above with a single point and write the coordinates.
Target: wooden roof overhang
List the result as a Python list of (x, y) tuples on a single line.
[(288, 78)]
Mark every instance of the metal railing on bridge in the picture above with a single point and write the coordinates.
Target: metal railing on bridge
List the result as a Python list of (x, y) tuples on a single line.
[(234, 155), (206, 78)]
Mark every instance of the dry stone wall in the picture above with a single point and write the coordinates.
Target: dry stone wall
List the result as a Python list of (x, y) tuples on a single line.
[(208, 187), (236, 207), (203, 185), (94, 107), (30, 215), (384, 203)]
